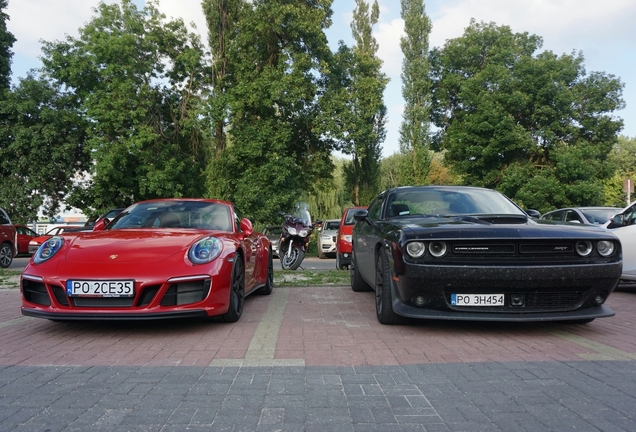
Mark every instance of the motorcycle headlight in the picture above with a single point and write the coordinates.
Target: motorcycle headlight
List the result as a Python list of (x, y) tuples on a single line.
[(49, 248), (205, 250), (291, 230), (303, 233)]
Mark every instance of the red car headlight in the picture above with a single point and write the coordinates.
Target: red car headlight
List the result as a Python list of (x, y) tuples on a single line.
[(205, 250), (49, 248)]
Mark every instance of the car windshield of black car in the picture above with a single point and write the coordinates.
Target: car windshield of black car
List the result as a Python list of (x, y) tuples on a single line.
[(438, 202)]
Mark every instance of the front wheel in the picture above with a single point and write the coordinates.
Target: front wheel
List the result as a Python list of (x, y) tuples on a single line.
[(357, 283), (383, 297), (269, 285), (237, 292), (6, 255), (293, 259)]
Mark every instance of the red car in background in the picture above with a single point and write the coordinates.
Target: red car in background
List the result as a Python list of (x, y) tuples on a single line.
[(35, 242), (8, 240), (166, 258), (343, 243), (25, 235)]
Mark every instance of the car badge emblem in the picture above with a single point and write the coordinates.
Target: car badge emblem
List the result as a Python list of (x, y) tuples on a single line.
[(113, 256)]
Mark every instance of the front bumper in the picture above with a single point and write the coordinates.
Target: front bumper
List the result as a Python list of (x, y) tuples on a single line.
[(112, 316), (546, 292)]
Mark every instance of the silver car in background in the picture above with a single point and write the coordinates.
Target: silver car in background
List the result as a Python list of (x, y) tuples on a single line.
[(326, 238)]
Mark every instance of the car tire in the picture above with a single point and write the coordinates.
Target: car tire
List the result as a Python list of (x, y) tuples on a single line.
[(383, 296), (237, 292), (357, 283), (269, 285), (339, 265), (6, 255)]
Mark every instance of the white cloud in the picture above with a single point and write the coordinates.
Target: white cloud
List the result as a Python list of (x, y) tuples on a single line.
[(388, 35), (188, 10)]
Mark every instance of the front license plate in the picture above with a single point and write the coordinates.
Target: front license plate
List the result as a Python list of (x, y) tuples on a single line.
[(103, 288), (477, 299)]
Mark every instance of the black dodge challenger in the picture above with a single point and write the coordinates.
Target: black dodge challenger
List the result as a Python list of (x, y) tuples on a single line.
[(466, 253)]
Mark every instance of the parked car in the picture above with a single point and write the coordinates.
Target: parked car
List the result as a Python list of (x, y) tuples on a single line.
[(25, 235), (166, 258), (35, 242), (343, 244), (273, 234), (326, 238), (466, 253), (623, 226), (8, 240), (110, 215), (584, 215)]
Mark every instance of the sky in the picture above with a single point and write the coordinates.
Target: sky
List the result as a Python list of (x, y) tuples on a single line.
[(602, 31)]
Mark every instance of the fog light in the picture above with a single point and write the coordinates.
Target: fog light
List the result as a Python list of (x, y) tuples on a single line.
[(420, 300), (517, 300), (599, 299)]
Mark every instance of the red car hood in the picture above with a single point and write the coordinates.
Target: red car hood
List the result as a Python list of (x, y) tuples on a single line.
[(130, 246)]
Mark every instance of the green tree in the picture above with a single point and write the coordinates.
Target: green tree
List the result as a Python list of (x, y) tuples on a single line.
[(45, 142), (623, 159), (6, 43), (275, 151), (534, 126), (416, 90), (367, 113), (140, 81), (222, 17)]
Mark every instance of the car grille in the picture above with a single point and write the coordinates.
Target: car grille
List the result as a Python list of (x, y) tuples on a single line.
[(104, 302)]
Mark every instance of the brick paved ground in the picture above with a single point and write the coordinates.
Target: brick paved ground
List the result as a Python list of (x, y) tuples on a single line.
[(316, 359)]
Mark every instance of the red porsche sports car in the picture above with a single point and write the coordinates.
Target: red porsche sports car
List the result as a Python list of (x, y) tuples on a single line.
[(167, 258)]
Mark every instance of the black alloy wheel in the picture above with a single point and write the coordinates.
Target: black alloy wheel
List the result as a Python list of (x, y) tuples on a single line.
[(383, 298), (269, 285), (237, 292), (6, 255)]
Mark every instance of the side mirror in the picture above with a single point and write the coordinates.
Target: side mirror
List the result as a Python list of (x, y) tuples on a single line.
[(361, 215), (619, 220), (101, 224), (246, 227), (533, 213)]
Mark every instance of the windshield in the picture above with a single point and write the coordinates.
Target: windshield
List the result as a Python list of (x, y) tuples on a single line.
[(448, 201), (175, 214), (301, 211), (600, 216)]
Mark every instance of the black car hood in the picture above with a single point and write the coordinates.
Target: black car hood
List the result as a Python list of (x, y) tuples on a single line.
[(492, 226)]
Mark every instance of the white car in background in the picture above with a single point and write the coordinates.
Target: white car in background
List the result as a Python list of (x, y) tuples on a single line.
[(327, 236), (623, 225)]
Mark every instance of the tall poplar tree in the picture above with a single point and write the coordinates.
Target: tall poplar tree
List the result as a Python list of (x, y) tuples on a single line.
[(366, 133), (416, 90), (6, 43)]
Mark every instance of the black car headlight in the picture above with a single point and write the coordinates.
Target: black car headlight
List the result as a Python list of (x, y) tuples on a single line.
[(437, 249), (205, 250), (415, 249), (605, 248), (47, 249), (584, 248)]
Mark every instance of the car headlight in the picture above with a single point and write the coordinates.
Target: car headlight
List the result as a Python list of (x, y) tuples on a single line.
[(325, 236), (303, 233), (205, 250), (347, 238), (49, 248), (415, 249), (291, 230), (605, 248), (584, 248), (437, 249)]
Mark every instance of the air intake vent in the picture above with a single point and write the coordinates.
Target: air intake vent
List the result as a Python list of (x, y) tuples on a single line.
[(504, 220)]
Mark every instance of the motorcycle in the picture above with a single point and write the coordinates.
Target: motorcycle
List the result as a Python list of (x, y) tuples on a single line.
[(294, 237)]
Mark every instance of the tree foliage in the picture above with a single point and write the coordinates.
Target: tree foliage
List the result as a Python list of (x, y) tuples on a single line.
[(140, 81), (416, 90), (44, 141), (533, 125), (275, 151)]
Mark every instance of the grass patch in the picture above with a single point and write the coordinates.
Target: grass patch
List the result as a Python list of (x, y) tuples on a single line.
[(295, 278), (5, 276)]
